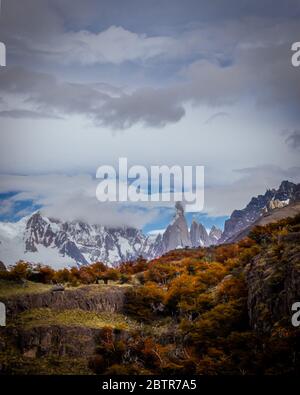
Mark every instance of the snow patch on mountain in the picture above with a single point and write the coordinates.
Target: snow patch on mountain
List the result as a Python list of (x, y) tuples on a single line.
[(39, 239)]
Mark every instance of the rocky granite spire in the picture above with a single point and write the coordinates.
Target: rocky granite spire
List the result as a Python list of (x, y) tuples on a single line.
[(199, 235), (214, 235), (177, 233)]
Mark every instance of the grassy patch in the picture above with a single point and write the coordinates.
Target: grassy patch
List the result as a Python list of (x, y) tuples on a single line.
[(96, 288), (47, 316), (12, 288)]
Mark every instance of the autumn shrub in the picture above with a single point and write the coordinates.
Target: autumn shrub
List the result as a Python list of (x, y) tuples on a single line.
[(161, 272), (230, 288), (222, 253), (181, 294), (20, 271), (42, 274), (86, 275), (110, 274), (145, 303), (62, 276)]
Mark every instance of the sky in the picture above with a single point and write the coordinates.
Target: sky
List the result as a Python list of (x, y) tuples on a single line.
[(205, 83)]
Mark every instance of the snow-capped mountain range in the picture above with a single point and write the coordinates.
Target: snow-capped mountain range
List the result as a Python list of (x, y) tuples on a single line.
[(40, 239), (58, 244)]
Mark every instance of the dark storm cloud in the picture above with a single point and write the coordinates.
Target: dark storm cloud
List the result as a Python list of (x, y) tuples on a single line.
[(146, 62), (219, 53), (49, 94), (43, 28), (293, 140), (203, 82), (26, 114), (139, 15), (149, 106), (52, 97)]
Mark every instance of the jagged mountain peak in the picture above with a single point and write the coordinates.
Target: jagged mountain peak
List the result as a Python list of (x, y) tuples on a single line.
[(177, 234), (258, 206), (38, 238), (198, 234), (215, 234), (61, 243)]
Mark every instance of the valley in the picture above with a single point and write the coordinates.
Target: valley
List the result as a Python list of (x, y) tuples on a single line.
[(215, 310)]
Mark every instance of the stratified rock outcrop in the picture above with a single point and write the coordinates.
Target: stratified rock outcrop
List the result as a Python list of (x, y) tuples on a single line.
[(110, 300)]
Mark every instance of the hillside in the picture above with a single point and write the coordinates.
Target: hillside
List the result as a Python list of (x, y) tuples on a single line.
[(218, 310), (242, 220), (271, 216)]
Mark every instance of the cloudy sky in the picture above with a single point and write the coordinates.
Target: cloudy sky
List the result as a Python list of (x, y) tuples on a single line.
[(159, 82)]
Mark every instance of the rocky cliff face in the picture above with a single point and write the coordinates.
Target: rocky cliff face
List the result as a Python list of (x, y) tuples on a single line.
[(214, 235), (273, 280), (241, 219), (54, 340), (44, 339), (110, 299), (199, 235)]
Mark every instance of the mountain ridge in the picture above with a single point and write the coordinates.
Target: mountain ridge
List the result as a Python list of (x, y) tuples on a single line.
[(40, 239), (291, 210), (257, 207)]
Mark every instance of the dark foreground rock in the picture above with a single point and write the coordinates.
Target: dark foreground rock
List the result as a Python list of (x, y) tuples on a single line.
[(58, 340), (273, 280)]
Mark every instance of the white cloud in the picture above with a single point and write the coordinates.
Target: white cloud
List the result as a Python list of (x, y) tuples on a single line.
[(114, 45), (74, 197), (156, 232), (223, 199), (187, 73)]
